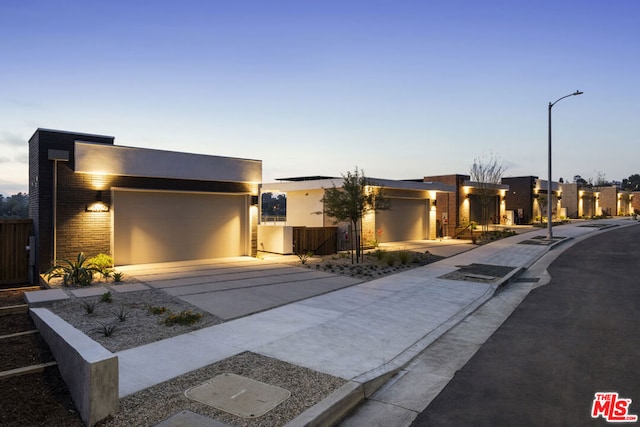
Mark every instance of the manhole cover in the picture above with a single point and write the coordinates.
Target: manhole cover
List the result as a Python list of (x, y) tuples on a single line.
[(238, 395)]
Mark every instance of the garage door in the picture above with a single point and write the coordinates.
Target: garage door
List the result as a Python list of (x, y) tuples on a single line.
[(406, 220), (166, 226)]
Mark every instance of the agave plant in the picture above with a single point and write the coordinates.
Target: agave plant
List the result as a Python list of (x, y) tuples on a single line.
[(79, 272)]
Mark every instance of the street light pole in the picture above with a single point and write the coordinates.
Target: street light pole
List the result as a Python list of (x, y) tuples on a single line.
[(549, 194)]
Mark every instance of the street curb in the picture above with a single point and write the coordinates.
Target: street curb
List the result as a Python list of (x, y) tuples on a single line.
[(333, 408), (338, 404)]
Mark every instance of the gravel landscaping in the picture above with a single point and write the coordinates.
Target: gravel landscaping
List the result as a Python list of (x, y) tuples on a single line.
[(131, 314), (152, 405)]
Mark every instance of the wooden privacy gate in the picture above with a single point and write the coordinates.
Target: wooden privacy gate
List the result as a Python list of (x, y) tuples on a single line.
[(14, 256), (319, 240)]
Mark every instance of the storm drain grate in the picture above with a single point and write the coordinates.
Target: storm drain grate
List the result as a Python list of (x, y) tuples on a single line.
[(238, 395), (527, 280), (542, 240), (483, 273)]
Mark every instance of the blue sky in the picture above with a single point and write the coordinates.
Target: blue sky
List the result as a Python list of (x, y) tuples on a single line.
[(402, 89)]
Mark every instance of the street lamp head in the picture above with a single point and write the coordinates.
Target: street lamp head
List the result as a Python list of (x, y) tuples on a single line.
[(578, 92)]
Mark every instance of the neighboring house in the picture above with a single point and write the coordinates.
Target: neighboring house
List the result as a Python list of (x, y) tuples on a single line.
[(570, 200), (634, 203), (456, 210), (411, 217), (139, 205)]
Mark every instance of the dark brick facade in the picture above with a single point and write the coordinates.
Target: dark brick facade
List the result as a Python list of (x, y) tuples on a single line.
[(448, 202), (520, 196), (41, 177)]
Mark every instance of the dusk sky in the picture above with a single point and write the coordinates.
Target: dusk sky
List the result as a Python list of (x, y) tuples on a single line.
[(402, 89)]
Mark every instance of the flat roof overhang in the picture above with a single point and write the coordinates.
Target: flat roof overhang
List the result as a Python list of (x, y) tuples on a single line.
[(101, 159), (283, 187)]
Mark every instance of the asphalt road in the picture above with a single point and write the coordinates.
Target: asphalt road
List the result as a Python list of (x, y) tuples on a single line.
[(576, 336)]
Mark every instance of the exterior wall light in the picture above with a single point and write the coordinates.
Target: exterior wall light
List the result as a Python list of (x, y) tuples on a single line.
[(98, 205)]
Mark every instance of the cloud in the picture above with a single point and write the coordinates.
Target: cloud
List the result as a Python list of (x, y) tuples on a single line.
[(22, 158), (5, 160), (8, 188), (12, 139)]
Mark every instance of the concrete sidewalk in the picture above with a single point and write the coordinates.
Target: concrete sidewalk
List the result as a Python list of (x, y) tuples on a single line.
[(363, 333)]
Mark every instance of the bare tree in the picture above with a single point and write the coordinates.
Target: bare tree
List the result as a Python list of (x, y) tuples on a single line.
[(487, 172), (353, 201), (542, 203)]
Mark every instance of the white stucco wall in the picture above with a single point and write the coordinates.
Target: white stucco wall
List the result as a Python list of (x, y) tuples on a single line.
[(275, 238), (304, 208)]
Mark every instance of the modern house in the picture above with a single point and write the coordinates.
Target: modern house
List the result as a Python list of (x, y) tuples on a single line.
[(456, 210), (412, 215), (139, 205)]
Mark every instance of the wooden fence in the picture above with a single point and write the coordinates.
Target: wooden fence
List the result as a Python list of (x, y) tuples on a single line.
[(319, 240), (14, 257)]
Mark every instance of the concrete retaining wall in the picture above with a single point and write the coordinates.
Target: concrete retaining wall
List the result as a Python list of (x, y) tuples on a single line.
[(89, 370)]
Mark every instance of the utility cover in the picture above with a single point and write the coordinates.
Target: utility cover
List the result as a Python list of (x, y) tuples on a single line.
[(238, 395)]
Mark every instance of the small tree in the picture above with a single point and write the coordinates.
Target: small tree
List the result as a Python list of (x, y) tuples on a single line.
[(487, 172), (542, 203), (353, 201)]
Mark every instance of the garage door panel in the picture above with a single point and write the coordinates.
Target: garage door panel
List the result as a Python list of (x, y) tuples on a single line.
[(159, 227)]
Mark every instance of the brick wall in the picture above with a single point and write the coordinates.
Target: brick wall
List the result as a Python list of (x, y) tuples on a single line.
[(520, 196), (570, 199), (78, 230), (41, 176), (609, 201), (450, 203), (635, 202)]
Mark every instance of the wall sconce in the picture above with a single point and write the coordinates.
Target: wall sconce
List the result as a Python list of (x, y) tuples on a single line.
[(468, 195), (254, 200), (98, 205), (434, 203)]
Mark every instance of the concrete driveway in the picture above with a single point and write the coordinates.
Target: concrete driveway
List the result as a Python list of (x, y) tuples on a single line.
[(234, 287)]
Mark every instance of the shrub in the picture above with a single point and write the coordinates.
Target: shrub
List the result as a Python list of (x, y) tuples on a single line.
[(107, 297), (157, 310), (117, 276), (79, 272), (102, 263), (107, 330), (390, 259), (380, 254), (121, 314), (304, 256), (90, 305), (186, 317), (404, 256)]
